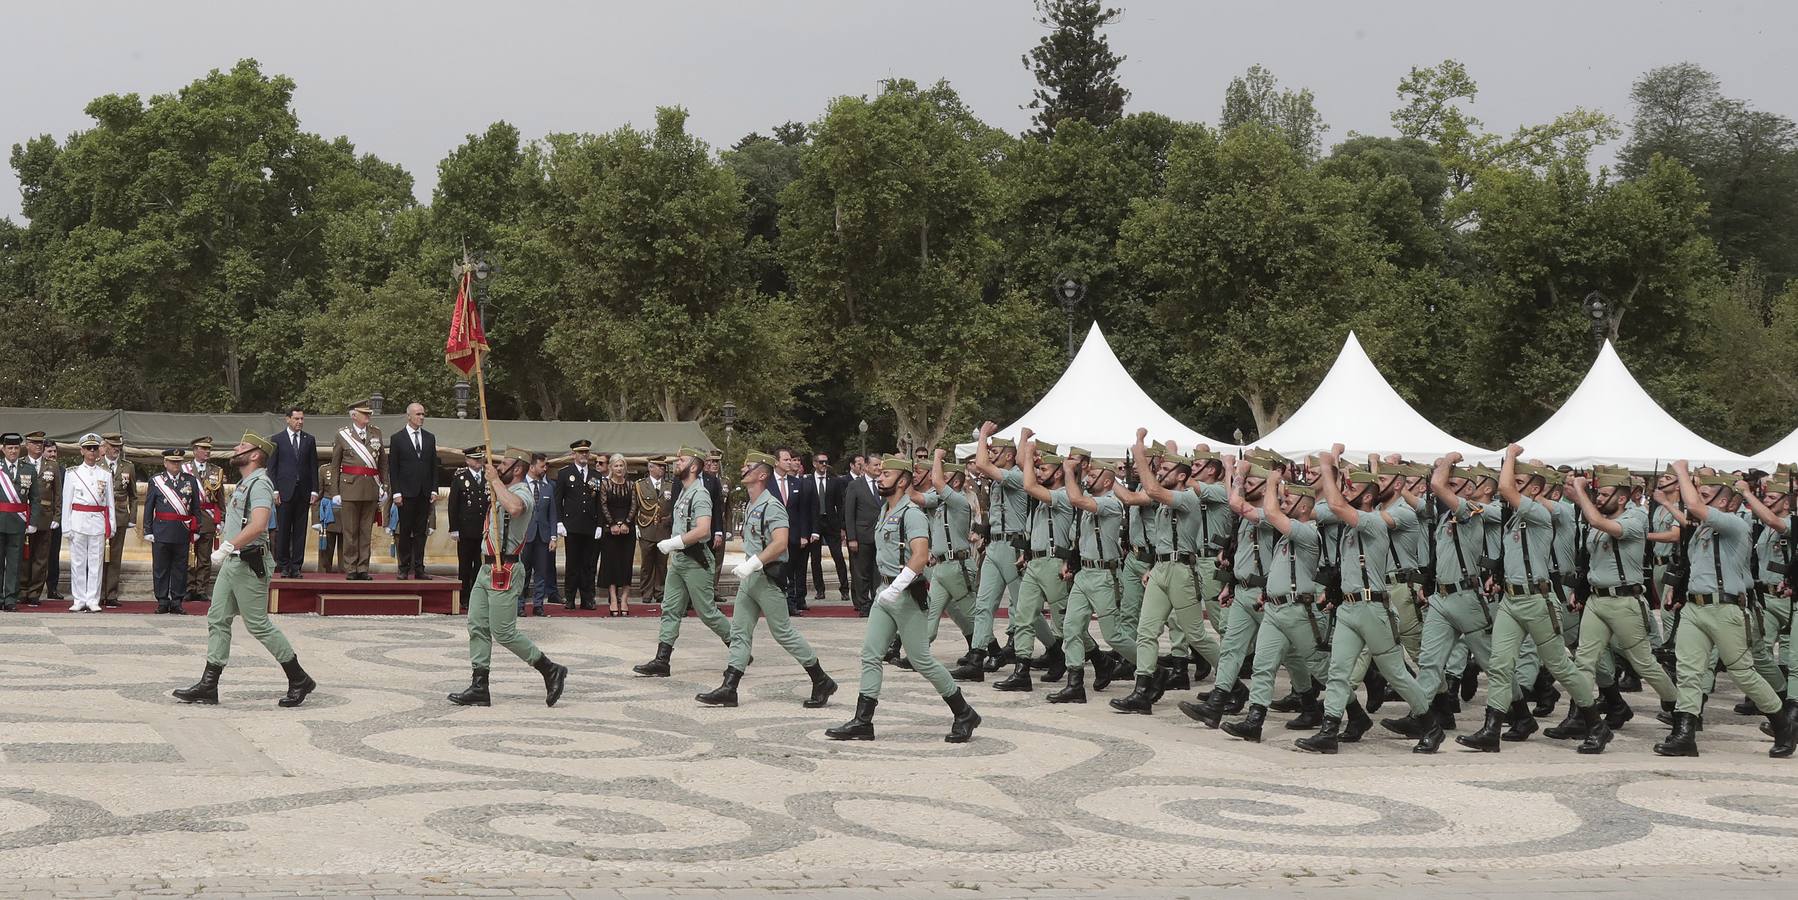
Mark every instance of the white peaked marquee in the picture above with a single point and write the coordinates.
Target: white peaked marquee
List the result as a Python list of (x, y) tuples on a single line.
[(1355, 406), (1097, 406), (1785, 451), (1610, 419)]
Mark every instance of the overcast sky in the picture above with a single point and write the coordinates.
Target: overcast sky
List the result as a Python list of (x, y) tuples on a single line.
[(408, 80)]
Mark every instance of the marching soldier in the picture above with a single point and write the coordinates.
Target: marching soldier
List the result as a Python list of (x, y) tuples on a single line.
[(951, 555), (328, 521), (18, 497), (493, 605), (244, 564), (467, 516), (124, 498), (1255, 540), (996, 459), (1098, 589), (88, 517), (171, 509), (211, 478), (654, 515), (1042, 587), (577, 505), (689, 579), (43, 542), (359, 470)]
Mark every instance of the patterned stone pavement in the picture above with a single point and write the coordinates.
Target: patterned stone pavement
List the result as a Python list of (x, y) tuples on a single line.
[(377, 786)]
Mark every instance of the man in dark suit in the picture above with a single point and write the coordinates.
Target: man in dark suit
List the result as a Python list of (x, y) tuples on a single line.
[(540, 540), (801, 500), (468, 518), (412, 467), (577, 505), (829, 488), (294, 470), (861, 510)]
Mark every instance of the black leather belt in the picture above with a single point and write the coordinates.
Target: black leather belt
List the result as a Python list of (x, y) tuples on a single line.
[(1540, 587), (1713, 599), (1627, 590), (954, 556), (1451, 587), (1375, 596), (1144, 555), (505, 559), (1030, 555), (1107, 564), (1007, 535), (1183, 556), (1282, 600)]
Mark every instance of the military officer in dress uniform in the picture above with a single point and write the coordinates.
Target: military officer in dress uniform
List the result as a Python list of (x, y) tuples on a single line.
[(124, 498), (328, 521), (244, 563), (467, 514), (89, 518), (211, 478), (654, 515), (358, 467), (577, 509), (18, 497), (43, 542), (170, 524)]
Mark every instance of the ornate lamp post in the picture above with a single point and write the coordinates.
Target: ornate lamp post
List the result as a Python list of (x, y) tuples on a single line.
[(374, 402), (461, 398), (1597, 316), (1069, 292), (862, 427)]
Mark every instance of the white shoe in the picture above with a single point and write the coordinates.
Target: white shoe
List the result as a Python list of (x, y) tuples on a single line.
[(75, 607)]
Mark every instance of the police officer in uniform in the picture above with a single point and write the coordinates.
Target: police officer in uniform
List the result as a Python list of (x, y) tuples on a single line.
[(171, 507), (359, 469), (124, 498), (43, 542), (245, 563), (467, 515), (211, 479), (577, 503), (18, 497)]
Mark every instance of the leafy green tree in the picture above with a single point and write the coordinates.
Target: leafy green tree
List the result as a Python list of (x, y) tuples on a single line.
[(1255, 96), (388, 337), (1076, 72)]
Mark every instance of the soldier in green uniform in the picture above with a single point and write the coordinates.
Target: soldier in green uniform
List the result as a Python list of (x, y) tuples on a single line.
[(1771, 526), (241, 587), (902, 541), (44, 535), (1713, 621), (212, 505), (1365, 619), (761, 589), (124, 501), (1139, 517), (1458, 615), (1051, 532), (493, 600), (689, 552), (995, 459), (1098, 588), (1529, 610), (18, 497), (951, 554)]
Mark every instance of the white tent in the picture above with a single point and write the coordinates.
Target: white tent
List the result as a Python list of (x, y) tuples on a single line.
[(1097, 406), (1356, 407), (1783, 452), (1610, 419)]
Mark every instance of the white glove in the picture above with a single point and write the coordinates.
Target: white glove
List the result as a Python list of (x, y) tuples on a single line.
[(337, 500), (596, 532), (670, 545), (147, 538), (225, 551), (320, 528), (55, 526), (561, 530), (889, 596), (453, 535), (32, 529), (747, 567)]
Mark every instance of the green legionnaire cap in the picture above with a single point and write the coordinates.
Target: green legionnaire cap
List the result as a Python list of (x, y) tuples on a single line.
[(1266, 458), (475, 453), (1719, 480), (90, 441), (950, 468), (657, 460), (1154, 451), (11, 439), (1000, 443), (689, 451), (1256, 471), (1103, 465), (1045, 447), (1530, 470), (757, 457), (894, 463), (1613, 479), (1048, 459), (520, 454), (1466, 473), (1301, 490), (259, 442), (114, 438), (174, 453), (1076, 451), (201, 443), (1362, 476), (1205, 456), (363, 407), (582, 444)]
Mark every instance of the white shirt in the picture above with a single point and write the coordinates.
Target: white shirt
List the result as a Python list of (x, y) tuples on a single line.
[(293, 436), (655, 484), (418, 441), (88, 486)]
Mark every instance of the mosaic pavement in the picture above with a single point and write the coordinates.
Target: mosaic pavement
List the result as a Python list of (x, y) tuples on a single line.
[(109, 786)]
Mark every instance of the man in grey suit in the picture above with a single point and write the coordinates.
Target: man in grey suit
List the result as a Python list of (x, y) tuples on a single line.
[(861, 510), (540, 540)]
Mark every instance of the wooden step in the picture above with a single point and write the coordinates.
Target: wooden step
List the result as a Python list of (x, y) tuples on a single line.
[(370, 604)]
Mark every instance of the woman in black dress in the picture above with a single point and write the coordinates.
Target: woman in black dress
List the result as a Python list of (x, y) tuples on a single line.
[(617, 535)]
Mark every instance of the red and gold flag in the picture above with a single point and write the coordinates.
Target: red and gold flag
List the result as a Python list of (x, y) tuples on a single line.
[(466, 337)]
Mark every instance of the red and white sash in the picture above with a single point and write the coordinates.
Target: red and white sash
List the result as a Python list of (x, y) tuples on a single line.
[(359, 448), (170, 495), (104, 507), (9, 495)]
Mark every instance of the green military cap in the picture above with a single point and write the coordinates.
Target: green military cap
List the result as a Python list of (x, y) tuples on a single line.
[(1076, 451), (362, 406), (1044, 447), (1718, 479), (1530, 470), (715, 454), (689, 451), (1362, 476), (11, 439), (174, 453), (1266, 458), (258, 441), (1204, 456), (201, 443), (950, 468), (1103, 465), (1000, 443), (1775, 485), (895, 463), (1154, 451), (657, 460), (1256, 471), (90, 441), (114, 438), (520, 454), (1302, 490), (1176, 457), (757, 457), (1048, 459), (1613, 479), (475, 453)]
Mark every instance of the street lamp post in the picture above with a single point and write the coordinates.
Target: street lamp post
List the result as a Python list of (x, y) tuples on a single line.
[(862, 427), (461, 398), (374, 402), (1070, 293), (730, 431), (1597, 317)]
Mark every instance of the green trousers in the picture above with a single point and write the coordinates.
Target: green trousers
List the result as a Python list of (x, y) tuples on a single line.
[(998, 571), (237, 591), (1461, 619), (1171, 601), (951, 593), (1288, 629), (1718, 631), (1620, 624), (1410, 616), (1242, 627), (1775, 624), (760, 598), (1536, 617), (493, 619), (1095, 593), (901, 618), (1042, 587), (1130, 611), (1365, 625), (12, 560), (1791, 642), (689, 583)]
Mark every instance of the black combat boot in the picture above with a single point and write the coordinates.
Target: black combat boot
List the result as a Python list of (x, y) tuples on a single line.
[(1746, 708), (1573, 726), (1236, 699), (972, 670), (1209, 713), (1629, 681), (1177, 677), (1545, 694), (1784, 725), (658, 667), (476, 692), (1105, 668), (1486, 739), (966, 719), (1522, 723), (963, 659), (999, 657), (725, 694), (299, 684), (1018, 680), (1050, 649), (1056, 661), (1470, 681), (1451, 685), (555, 677), (1075, 692), (1287, 704), (1412, 725), (1249, 727), (1616, 709), (1356, 721), (892, 657), (860, 728), (1158, 684), (1201, 669), (1432, 736), (1311, 710), (1598, 734), (822, 686), (1443, 708), (206, 690), (1683, 741), (1324, 741), (1138, 700), (1376, 689), (1665, 717)]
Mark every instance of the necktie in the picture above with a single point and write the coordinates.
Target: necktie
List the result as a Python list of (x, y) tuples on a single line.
[(418, 442)]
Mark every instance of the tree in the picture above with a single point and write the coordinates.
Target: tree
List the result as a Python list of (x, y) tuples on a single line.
[(1255, 96), (766, 166), (1076, 72), (390, 336)]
